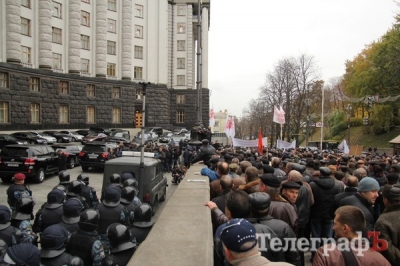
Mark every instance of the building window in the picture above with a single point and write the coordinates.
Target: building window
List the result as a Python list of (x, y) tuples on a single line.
[(138, 31), (180, 80), (25, 26), (139, 11), (4, 112), (35, 113), (90, 90), (57, 61), (34, 84), (90, 115), (85, 42), (3, 80), (111, 47), (57, 35), (181, 27), (26, 3), (116, 115), (26, 54), (181, 63), (85, 18), (57, 10), (139, 94), (111, 69), (64, 114), (180, 99), (181, 10), (86, 1), (63, 87), (180, 116), (181, 45), (116, 93), (138, 72), (138, 52), (112, 25), (85, 65), (112, 5)]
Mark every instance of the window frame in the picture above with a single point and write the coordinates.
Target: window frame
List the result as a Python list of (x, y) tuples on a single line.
[(181, 45), (84, 41), (85, 18), (34, 84), (180, 25), (137, 71), (27, 5), (181, 63), (86, 1), (63, 115), (138, 52), (181, 10), (139, 30), (59, 10), (111, 25), (139, 11), (89, 119), (116, 115), (55, 35), (180, 117), (116, 93), (4, 80), (179, 80), (28, 26), (139, 94), (34, 114), (27, 53), (114, 3), (4, 112), (63, 87), (180, 99), (54, 59), (111, 47), (85, 63), (90, 90), (111, 68)]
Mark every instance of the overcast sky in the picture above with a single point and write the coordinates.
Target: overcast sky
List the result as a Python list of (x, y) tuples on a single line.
[(248, 38)]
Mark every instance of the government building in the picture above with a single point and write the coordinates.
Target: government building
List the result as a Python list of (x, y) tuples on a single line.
[(80, 63)]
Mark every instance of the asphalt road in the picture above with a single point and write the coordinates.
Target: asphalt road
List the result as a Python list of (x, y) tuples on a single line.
[(41, 190)]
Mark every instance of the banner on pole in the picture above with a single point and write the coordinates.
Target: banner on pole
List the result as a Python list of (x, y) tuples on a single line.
[(230, 126), (344, 147), (279, 115), (248, 143), (280, 144), (212, 117), (260, 142)]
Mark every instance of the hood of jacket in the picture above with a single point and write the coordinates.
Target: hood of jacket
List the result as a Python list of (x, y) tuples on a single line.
[(325, 182)]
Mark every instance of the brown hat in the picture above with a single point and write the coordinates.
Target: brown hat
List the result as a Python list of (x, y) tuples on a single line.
[(19, 176)]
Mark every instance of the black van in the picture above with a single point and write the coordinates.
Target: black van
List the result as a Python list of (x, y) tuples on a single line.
[(152, 186)]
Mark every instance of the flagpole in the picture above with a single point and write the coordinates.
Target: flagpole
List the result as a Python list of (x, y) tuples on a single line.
[(281, 131)]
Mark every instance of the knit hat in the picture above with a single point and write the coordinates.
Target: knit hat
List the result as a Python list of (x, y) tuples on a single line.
[(368, 184), (236, 233)]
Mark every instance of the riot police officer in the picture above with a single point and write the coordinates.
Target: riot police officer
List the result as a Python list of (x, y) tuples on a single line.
[(122, 248), (142, 223), (72, 210), (115, 181), (85, 243), (88, 192), (64, 178), (110, 211), (51, 212), (21, 219), (17, 190), (22, 254), (127, 200), (8, 233), (53, 241), (74, 191)]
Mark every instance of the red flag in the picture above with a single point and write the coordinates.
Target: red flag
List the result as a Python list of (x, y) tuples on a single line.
[(260, 143)]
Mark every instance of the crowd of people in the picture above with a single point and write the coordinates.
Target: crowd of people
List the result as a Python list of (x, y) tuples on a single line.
[(301, 196), (74, 227)]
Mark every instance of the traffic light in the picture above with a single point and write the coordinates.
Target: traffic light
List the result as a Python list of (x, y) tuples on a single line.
[(365, 120), (369, 101)]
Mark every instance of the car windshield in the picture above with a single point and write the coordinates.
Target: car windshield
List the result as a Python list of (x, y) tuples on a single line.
[(14, 152), (10, 138), (74, 133), (44, 134), (93, 148)]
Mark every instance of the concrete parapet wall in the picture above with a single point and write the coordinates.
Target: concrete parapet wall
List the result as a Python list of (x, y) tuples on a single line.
[(183, 233)]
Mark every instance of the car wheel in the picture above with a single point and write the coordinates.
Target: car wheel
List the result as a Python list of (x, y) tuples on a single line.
[(31, 142), (40, 176), (59, 140), (6, 179), (85, 168), (164, 196), (71, 163), (73, 140)]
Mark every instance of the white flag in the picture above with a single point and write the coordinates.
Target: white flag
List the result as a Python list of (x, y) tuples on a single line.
[(344, 147)]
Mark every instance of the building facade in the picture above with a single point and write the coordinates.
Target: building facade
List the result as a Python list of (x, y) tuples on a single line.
[(78, 63)]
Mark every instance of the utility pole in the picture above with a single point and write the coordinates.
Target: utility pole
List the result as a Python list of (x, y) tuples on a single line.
[(199, 66), (141, 167)]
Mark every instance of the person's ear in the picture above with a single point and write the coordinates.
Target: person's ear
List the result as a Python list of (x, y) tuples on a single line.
[(228, 253), (228, 213)]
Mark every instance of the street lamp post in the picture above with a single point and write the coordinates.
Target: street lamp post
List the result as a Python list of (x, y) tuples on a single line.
[(348, 108), (322, 117), (141, 167)]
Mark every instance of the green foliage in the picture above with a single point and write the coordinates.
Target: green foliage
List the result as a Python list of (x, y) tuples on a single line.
[(338, 128), (336, 122), (381, 118), (355, 122)]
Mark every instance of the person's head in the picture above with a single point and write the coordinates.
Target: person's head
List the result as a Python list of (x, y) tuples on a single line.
[(233, 167), (223, 168), (19, 178), (226, 183), (369, 188), (352, 181), (251, 174), (268, 182), (290, 190), (275, 162), (260, 202), (239, 239), (360, 173), (360, 164), (237, 204), (243, 166), (339, 175), (84, 178), (391, 194), (53, 241), (295, 176), (89, 220), (348, 221), (392, 178), (395, 168)]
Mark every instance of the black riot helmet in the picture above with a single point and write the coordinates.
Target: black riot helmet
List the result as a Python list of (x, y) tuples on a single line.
[(76, 261), (128, 194), (115, 178), (89, 220), (120, 238), (64, 176), (24, 209), (74, 188), (131, 183), (143, 214), (84, 178)]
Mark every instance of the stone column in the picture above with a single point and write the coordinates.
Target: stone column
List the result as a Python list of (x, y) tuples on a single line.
[(204, 48), (101, 38), (45, 34), (126, 55), (13, 28), (74, 46)]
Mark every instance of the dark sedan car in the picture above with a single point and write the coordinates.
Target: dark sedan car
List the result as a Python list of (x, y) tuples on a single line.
[(93, 137), (71, 151), (6, 139), (85, 132), (29, 137), (61, 138)]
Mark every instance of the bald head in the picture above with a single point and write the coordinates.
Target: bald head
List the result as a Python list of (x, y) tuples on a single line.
[(226, 182), (360, 173), (352, 181), (295, 176), (275, 162)]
